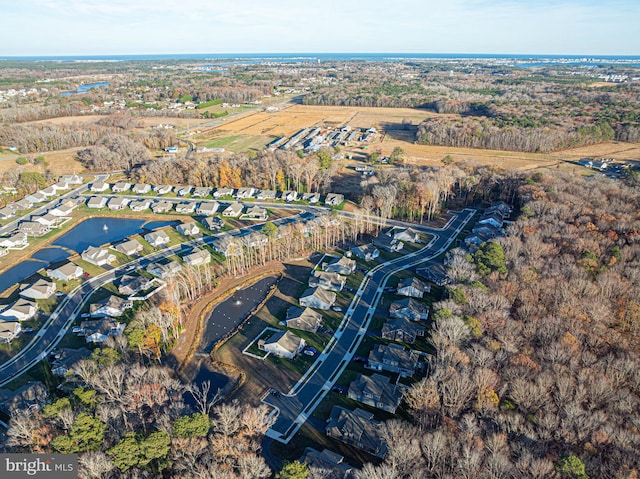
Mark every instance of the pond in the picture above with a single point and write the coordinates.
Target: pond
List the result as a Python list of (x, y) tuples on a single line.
[(84, 88), (99, 231), (92, 232), (228, 315)]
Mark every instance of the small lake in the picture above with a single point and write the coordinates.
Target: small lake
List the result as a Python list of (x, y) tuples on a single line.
[(85, 88), (228, 315), (91, 232), (99, 231)]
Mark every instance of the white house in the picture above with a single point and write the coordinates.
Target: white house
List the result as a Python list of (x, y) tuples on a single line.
[(157, 238), (244, 193), (327, 280), (66, 272), (97, 202), (201, 191), (344, 266), (183, 190), (289, 196), (411, 287), (186, 207), (367, 252), (46, 219), (305, 319), (113, 306), (140, 205), (121, 187), (98, 256), (207, 208), (129, 248), (9, 330), (255, 213), (118, 203), (197, 257), (318, 298), (21, 310), (267, 195), (163, 189), (283, 344), (141, 188), (188, 229), (33, 228), (164, 270), (72, 179), (333, 199), (41, 289), (17, 241), (98, 331), (99, 186), (233, 210), (220, 192)]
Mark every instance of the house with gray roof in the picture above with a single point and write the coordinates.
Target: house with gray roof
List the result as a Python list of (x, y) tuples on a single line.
[(130, 285), (376, 391), (402, 330), (233, 210), (333, 199), (41, 289), (121, 187), (97, 202), (267, 195), (141, 188), (409, 308), (283, 344), (330, 463), (197, 257), (98, 256), (66, 359), (157, 238), (112, 306), (394, 358), (9, 330), (326, 280), (117, 203), (33, 228), (357, 428), (183, 190), (189, 228), (99, 186), (412, 287), (213, 223), (244, 193), (255, 213), (99, 330), (164, 270), (186, 207), (21, 310), (130, 248), (344, 266), (404, 234), (207, 208), (387, 243), (161, 206), (305, 319), (32, 396), (220, 192), (163, 189), (317, 298), (66, 272), (367, 252), (436, 273), (140, 205), (202, 191)]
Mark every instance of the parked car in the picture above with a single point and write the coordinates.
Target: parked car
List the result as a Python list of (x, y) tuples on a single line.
[(339, 389), (336, 308), (27, 330), (76, 329)]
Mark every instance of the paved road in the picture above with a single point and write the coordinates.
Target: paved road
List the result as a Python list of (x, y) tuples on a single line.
[(9, 227), (61, 320), (294, 408)]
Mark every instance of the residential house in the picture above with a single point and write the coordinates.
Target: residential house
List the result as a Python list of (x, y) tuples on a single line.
[(121, 187), (333, 199), (9, 330), (141, 188), (402, 330), (357, 428), (387, 243), (404, 234), (112, 306), (255, 240), (244, 193), (221, 192), (202, 191), (436, 273), (129, 248), (226, 245), (305, 319), (376, 391), (37, 197), (344, 266), (21, 310), (49, 192), (23, 204), (186, 207), (330, 463), (161, 206), (98, 331), (233, 210), (63, 210), (267, 195), (47, 219), (163, 189), (312, 198), (207, 208), (30, 397), (140, 205), (394, 359), (99, 186), (72, 179), (410, 309), (367, 252), (66, 359), (289, 196), (98, 256), (412, 287), (326, 280), (500, 206), (60, 186), (283, 344), (7, 212), (318, 298), (97, 202), (157, 238), (130, 285), (213, 223), (188, 229), (41, 289), (33, 228), (494, 219), (17, 241), (118, 203), (66, 272), (164, 270), (255, 213), (183, 190), (197, 257)]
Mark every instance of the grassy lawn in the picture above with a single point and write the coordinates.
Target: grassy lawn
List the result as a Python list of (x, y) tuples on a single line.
[(239, 143)]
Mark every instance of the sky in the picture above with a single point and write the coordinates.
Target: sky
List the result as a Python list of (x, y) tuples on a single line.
[(117, 27)]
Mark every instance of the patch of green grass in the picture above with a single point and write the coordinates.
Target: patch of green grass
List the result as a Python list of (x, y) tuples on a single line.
[(239, 143)]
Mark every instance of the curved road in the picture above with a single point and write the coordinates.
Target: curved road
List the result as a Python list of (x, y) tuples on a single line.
[(61, 320), (294, 408)]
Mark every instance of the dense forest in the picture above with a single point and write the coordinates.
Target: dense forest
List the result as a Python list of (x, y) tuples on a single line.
[(535, 372)]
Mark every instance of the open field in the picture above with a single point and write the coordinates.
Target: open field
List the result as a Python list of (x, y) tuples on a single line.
[(60, 162), (238, 143)]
